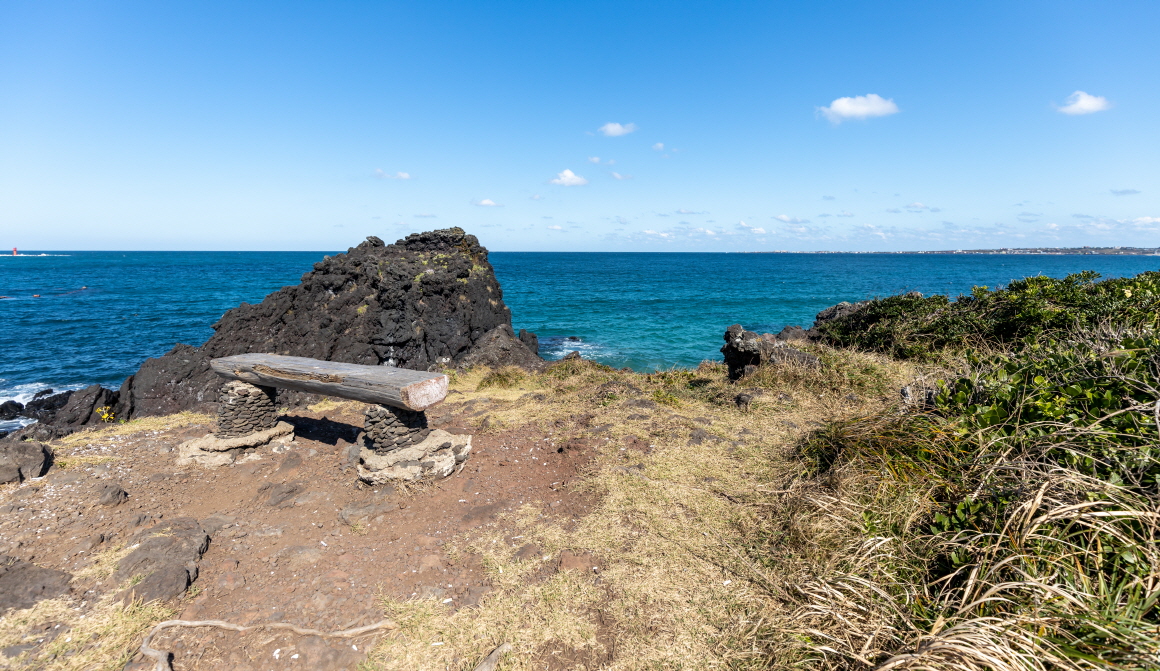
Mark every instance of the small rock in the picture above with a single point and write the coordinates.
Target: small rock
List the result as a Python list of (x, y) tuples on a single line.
[(216, 522), (529, 551), (570, 561), (281, 493), (111, 494)]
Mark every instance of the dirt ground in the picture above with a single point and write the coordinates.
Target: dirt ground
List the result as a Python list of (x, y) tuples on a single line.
[(295, 537)]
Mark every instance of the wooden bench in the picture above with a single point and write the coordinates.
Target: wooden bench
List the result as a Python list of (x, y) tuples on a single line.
[(395, 444), (412, 390)]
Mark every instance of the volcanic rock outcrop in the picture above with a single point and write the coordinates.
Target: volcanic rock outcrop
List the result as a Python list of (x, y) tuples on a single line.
[(745, 351), (421, 303)]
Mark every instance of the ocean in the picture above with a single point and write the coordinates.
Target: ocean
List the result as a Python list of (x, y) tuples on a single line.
[(100, 314)]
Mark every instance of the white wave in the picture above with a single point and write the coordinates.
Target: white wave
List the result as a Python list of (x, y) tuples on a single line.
[(23, 393)]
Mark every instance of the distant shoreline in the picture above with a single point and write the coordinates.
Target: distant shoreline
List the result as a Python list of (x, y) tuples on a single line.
[(1051, 251)]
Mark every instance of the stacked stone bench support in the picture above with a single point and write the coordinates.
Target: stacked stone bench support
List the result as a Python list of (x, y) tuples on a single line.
[(386, 428), (396, 443), (245, 408)]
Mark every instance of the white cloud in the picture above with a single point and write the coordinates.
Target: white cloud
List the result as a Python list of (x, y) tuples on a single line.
[(791, 220), (613, 129), (425, 215), (617, 175), (537, 196), (649, 231), (568, 178), (919, 207), (684, 211), (1124, 192), (844, 213), (488, 202), (555, 228), (660, 146), (398, 175), (594, 159), (1084, 103), (858, 107)]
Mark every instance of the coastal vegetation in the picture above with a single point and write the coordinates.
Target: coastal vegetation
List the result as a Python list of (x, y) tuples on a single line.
[(1005, 518)]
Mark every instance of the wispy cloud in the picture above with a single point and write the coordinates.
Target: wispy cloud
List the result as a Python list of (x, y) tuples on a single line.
[(555, 228), (594, 159), (1028, 217), (536, 196), (660, 146), (1124, 192), (920, 207), (756, 230), (1085, 103), (568, 178), (858, 107), (844, 213), (425, 215), (894, 210), (617, 175), (827, 198), (613, 129), (684, 211), (790, 220), (488, 202), (398, 175)]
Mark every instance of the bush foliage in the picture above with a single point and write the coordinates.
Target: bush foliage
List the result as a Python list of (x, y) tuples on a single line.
[(1040, 468), (911, 326)]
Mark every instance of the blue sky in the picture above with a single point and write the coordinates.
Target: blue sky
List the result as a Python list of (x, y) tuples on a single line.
[(726, 126)]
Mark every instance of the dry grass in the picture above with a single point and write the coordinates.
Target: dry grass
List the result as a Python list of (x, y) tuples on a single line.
[(166, 423), (85, 636), (676, 587), (327, 404)]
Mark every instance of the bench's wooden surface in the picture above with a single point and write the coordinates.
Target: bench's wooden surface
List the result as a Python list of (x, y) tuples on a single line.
[(386, 385)]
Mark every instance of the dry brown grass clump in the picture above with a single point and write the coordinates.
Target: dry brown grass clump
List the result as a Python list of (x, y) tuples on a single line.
[(683, 487)]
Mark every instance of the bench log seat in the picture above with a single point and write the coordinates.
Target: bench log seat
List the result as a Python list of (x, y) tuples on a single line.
[(413, 390)]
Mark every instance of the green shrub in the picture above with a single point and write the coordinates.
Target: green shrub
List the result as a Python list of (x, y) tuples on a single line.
[(914, 327), (1042, 472)]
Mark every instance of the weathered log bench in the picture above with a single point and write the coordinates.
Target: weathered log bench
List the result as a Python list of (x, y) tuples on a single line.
[(396, 442)]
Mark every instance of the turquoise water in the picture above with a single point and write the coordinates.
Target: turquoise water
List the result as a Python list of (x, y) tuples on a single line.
[(645, 311)]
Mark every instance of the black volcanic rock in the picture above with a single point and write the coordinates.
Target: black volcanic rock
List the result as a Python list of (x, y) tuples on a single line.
[(745, 351), (500, 347), (421, 303), (11, 410), (22, 460)]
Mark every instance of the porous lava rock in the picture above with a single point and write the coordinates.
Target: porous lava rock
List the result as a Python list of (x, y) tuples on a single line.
[(832, 313), (164, 563), (500, 347), (421, 303), (21, 460), (23, 584), (745, 351), (60, 414)]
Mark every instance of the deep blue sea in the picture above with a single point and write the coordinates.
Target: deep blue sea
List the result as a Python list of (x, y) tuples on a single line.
[(100, 314)]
